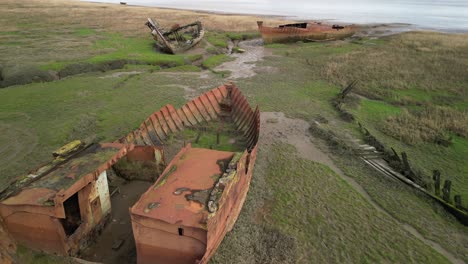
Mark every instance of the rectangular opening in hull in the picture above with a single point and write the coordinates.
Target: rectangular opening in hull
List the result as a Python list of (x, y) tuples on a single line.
[(72, 215)]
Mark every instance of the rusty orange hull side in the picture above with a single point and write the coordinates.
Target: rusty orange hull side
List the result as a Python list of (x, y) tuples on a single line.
[(159, 242), (230, 206), (154, 132), (313, 33), (156, 129)]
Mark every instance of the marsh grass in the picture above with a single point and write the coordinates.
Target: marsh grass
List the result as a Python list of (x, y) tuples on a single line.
[(396, 78), (430, 124), (217, 39), (215, 60), (406, 69), (299, 211), (75, 108), (51, 34)]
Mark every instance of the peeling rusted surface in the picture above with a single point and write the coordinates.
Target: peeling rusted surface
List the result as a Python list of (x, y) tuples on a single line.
[(7, 245), (225, 100), (181, 218), (304, 32), (63, 208), (214, 183)]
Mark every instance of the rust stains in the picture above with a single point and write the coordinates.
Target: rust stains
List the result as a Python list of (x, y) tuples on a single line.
[(181, 218), (214, 183), (304, 32), (225, 100), (65, 202)]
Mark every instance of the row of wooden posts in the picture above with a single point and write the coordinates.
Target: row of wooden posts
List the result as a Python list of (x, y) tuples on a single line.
[(402, 164)]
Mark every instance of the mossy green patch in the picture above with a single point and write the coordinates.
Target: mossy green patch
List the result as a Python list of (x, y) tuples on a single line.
[(376, 110), (129, 48), (242, 35), (184, 68), (217, 39), (52, 110), (216, 60)]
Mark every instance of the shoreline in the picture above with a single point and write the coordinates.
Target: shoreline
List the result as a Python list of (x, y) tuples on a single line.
[(404, 27)]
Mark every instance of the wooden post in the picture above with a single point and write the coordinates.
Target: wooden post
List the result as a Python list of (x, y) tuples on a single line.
[(446, 190), (198, 135), (348, 89), (395, 155), (406, 166), (458, 201), (436, 178)]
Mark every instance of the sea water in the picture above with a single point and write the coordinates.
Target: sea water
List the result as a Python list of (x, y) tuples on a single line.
[(446, 15)]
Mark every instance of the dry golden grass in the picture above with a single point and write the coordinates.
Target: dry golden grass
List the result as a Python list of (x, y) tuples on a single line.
[(432, 124), (427, 61), (128, 20), (38, 32)]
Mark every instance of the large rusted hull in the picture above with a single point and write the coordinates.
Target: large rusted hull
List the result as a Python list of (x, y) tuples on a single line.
[(61, 207), (157, 128), (313, 32), (160, 213), (66, 206)]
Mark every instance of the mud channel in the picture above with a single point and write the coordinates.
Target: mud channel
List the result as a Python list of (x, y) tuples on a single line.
[(244, 65)]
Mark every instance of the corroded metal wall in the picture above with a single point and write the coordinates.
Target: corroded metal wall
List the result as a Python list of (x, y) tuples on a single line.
[(7, 245), (315, 32), (208, 106), (33, 215), (212, 105), (230, 204)]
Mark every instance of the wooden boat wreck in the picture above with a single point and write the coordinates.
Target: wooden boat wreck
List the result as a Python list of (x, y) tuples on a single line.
[(304, 32), (211, 145), (178, 38)]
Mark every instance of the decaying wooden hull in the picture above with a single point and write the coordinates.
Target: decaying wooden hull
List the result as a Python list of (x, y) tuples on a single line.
[(179, 38), (182, 218), (304, 32)]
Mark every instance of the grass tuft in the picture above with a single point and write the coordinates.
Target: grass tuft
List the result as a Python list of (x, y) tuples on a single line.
[(216, 60)]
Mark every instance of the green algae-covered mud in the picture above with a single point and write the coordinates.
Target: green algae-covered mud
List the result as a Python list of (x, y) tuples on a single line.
[(91, 75)]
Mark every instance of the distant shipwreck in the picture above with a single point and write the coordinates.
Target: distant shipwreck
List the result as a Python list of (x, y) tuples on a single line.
[(304, 32), (64, 206), (178, 38)]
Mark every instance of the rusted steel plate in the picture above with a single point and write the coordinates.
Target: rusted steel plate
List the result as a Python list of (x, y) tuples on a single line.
[(7, 245), (204, 108), (231, 204), (313, 32), (182, 218), (182, 197), (40, 213), (191, 169)]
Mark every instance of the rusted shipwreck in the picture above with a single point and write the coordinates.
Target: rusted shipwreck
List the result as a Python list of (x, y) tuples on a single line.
[(57, 207), (304, 32), (182, 217), (178, 38)]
